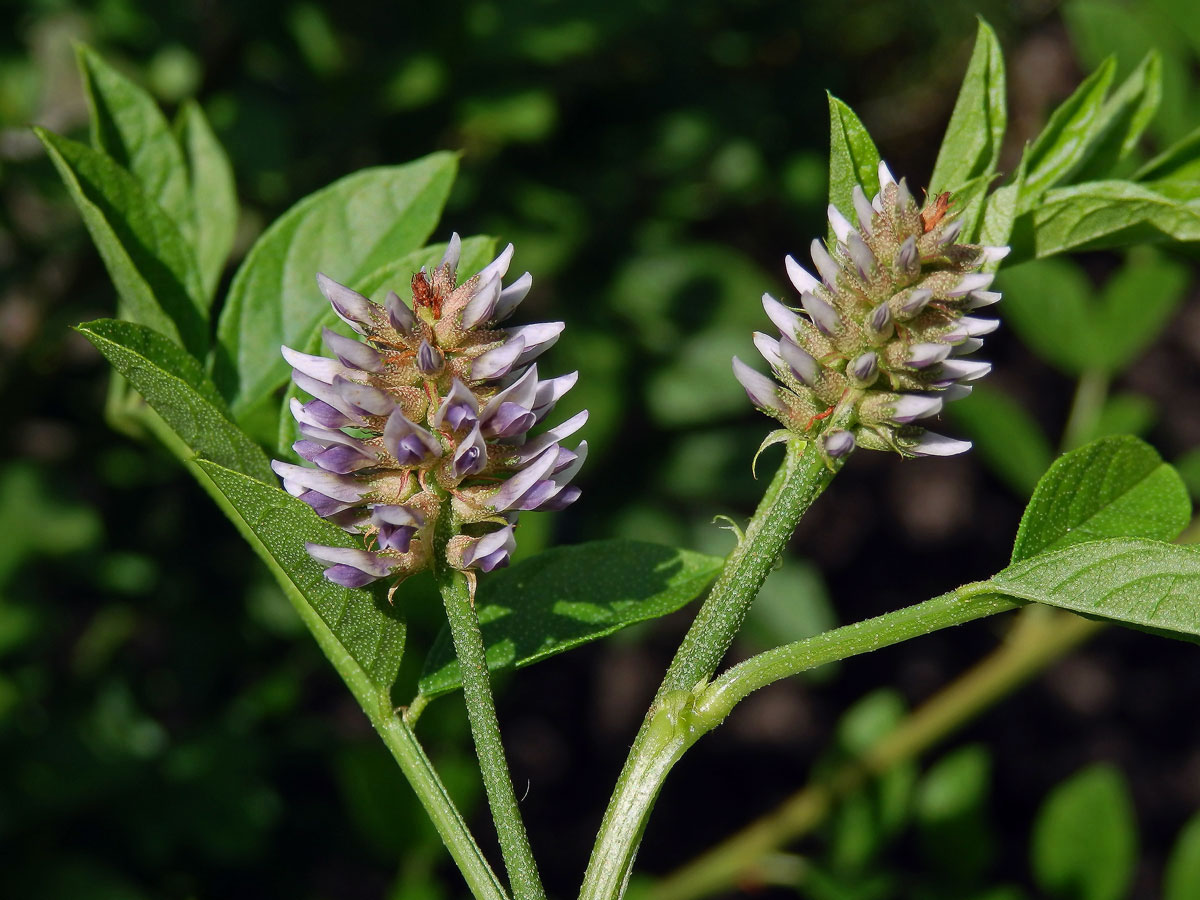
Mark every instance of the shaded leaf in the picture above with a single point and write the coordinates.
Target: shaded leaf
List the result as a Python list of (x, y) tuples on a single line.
[(571, 595), (147, 258), (1105, 214), (1136, 304), (214, 194), (1146, 584), (1085, 837), (354, 623), (950, 808), (853, 158), (1067, 140), (1179, 162), (1181, 879), (1047, 303), (128, 126), (1008, 439), (1113, 487), (175, 385), (346, 230), (971, 146), (1126, 114), (1125, 414)]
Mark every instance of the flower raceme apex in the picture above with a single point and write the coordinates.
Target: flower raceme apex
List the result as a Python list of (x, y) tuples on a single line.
[(426, 419), (885, 332)]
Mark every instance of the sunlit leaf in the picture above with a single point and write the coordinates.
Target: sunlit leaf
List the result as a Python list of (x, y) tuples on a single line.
[(214, 194), (853, 158), (971, 146), (1114, 487), (175, 385), (147, 258), (571, 595), (346, 230)]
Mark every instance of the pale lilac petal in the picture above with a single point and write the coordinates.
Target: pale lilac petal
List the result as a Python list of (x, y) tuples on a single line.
[(511, 297), (351, 352), (762, 391), (399, 315), (823, 315), (805, 367), (318, 413), (926, 354), (458, 408), (538, 338), (498, 361), (551, 391), (453, 253), (932, 444), (497, 267), (976, 281), (861, 254), (327, 394), (364, 399), (863, 208), (322, 368), (800, 277), (840, 224), (481, 306), (964, 369), (520, 484), (824, 262), (339, 487), (769, 348), (364, 560), (978, 299), (407, 442), (911, 407), (781, 317), (470, 457), (837, 443), (534, 447), (885, 175), (351, 307), (976, 326)]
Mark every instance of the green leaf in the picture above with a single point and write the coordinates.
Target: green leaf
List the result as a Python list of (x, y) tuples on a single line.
[(1069, 135), (1147, 584), (1179, 162), (1047, 304), (971, 146), (853, 158), (1181, 879), (1100, 215), (346, 230), (1008, 439), (1113, 487), (175, 385), (357, 623), (148, 260), (1001, 210), (571, 595), (128, 126), (950, 808), (1085, 837), (1126, 114), (1136, 304), (476, 253), (214, 194)]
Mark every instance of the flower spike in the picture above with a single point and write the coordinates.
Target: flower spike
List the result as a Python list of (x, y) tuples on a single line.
[(887, 331), (442, 402)]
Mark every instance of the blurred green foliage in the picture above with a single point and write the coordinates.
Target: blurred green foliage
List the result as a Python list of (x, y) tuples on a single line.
[(164, 730)]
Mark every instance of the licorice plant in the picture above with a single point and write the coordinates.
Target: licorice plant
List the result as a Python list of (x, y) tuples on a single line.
[(417, 426)]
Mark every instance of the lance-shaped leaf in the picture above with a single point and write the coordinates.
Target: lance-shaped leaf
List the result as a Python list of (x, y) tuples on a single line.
[(853, 158), (1070, 134), (1147, 584), (147, 258), (476, 253), (214, 195), (1114, 487), (971, 146), (571, 595), (348, 623), (347, 230), (1126, 115), (175, 386), (128, 126), (1101, 215), (1179, 162)]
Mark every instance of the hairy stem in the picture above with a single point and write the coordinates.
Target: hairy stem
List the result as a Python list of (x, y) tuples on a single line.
[(682, 717), (1034, 642), (399, 737), (485, 729), (801, 478)]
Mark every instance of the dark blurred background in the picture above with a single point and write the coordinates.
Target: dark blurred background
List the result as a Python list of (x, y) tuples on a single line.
[(167, 729)]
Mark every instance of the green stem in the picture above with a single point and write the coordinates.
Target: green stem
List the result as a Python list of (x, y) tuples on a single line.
[(801, 478), (485, 729), (399, 737), (1033, 643), (798, 482), (682, 717), (1088, 403)]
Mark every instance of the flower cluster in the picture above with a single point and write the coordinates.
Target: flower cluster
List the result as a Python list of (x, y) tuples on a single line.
[(423, 426), (886, 334)]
